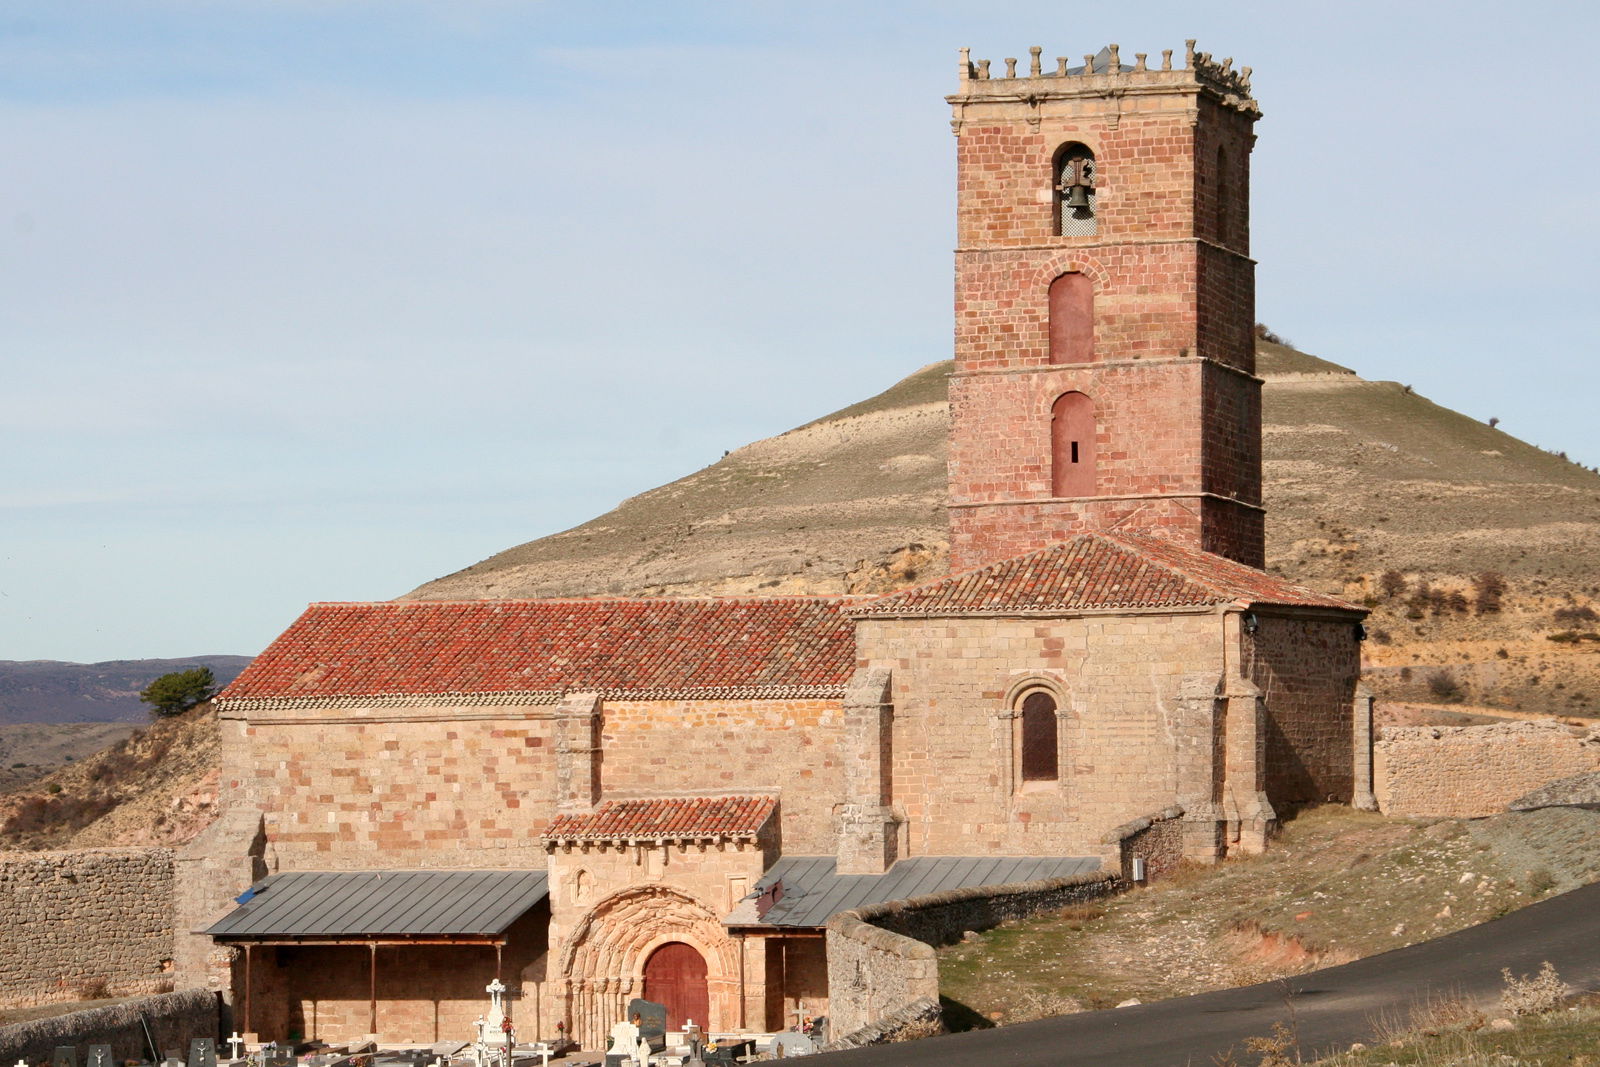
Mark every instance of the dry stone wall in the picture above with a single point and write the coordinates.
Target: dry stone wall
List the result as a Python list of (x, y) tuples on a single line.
[(1470, 771), (83, 924), (174, 1020), (880, 958)]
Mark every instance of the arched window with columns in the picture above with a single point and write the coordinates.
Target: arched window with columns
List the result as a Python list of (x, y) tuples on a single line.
[(1040, 744)]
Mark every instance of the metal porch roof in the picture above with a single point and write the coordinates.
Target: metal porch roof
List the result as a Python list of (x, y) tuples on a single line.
[(383, 903), (814, 892)]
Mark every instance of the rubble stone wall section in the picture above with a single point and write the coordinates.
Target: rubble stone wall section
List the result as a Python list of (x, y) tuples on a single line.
[(1307, 669), (1157, 839), (1470, 771), (881, 958), (84, 924), (174, 1019)]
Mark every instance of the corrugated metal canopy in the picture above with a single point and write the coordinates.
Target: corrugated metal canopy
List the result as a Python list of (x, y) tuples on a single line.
[(384, 903), (814, 892)]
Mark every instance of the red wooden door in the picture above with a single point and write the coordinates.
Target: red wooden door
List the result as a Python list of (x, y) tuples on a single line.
[(675, 975)]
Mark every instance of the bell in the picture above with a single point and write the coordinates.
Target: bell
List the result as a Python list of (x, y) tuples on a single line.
[(1078, 197)]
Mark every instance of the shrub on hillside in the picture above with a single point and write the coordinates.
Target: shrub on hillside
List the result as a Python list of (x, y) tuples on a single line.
[(1533, 994), (1392, 584), (1443, 685), (1490, 590), (177, 692)]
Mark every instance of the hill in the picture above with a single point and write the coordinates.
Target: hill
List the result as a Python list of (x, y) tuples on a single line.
[(155, 787), (1362, 478), (50, 691)]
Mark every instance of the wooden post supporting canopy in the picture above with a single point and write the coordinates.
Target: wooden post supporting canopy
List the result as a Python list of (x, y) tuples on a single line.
[(247, 1027), (372, 974)]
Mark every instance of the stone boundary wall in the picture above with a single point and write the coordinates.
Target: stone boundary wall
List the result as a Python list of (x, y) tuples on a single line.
[(881, 959), (923, 1017), (1471, 771), (85, 924), (1157, 838), (174, 1018)]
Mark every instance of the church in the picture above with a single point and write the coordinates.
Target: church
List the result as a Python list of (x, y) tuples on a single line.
[(597, 799)]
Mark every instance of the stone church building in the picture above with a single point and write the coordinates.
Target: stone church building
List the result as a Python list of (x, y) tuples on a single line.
[(596, 799)]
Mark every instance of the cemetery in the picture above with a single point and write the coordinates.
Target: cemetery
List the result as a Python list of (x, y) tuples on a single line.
[(640, 1039)]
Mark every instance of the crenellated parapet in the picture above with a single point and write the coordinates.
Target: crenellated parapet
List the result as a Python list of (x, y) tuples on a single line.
[(1104, 74)]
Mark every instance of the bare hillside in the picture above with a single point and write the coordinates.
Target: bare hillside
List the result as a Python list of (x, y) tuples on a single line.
[(156, 787), (1360, 476)]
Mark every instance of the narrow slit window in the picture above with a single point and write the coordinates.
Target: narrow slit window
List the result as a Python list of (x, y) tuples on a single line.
[(1072, 446)]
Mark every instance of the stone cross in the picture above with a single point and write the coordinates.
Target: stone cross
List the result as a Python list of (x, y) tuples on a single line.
[(497, 1013), (236, 1041)]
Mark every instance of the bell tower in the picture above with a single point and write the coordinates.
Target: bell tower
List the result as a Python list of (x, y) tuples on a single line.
[(1105, 306)]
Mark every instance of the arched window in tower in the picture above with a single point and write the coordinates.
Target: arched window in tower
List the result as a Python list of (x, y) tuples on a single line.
[(1072, 432), (1038, 757), (1071, 319), (1074, 181)]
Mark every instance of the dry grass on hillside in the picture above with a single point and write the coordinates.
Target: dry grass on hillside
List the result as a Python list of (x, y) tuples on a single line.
[(1337, 885), (157, 787)]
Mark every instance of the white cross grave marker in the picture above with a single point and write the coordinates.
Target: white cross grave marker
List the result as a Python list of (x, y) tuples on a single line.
[(236, 1041)]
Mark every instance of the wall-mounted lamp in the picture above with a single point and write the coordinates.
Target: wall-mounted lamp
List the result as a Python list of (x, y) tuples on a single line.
[(1361, 632), (1251, 623)]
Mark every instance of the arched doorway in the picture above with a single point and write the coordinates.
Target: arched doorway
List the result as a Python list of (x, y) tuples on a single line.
[(675, 975)]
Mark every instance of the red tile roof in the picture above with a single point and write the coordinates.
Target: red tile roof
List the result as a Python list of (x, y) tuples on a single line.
[(667, 818), (419, 648), (1101, 572)]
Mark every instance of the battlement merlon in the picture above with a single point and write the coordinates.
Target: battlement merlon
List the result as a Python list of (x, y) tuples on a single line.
[(1105, 74)]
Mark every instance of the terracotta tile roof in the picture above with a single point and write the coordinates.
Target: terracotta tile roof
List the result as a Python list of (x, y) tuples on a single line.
[(666, 818), (724, 647), (1101, 572)]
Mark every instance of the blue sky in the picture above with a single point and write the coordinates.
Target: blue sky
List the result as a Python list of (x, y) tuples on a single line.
[(318, 301)]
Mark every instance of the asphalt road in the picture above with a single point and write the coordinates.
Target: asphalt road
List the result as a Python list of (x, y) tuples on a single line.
[(1329, 1009)]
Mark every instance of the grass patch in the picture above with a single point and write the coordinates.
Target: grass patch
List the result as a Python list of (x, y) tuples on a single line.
[(1337, 885)]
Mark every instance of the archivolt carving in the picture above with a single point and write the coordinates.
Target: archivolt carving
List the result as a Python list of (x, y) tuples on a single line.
[(618, 934)]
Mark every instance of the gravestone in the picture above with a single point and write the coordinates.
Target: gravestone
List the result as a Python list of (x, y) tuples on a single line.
[(279, 1056), (64, 1056), (652, 1022), (791, 1043), (202, 1052), (99, 1056)]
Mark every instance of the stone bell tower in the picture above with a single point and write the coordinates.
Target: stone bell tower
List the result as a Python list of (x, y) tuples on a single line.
[(1105, 306)]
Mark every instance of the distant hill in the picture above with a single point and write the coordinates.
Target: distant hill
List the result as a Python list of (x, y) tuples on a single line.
[(50, 691)]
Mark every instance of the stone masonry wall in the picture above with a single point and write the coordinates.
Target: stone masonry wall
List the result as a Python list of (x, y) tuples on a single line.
[(1306, 669), (1471, 771), (880, 958), (1176, 406), (725, 746), (956, 779), (74, 923), (174, 1019), (1156, 839), (361, 788)]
